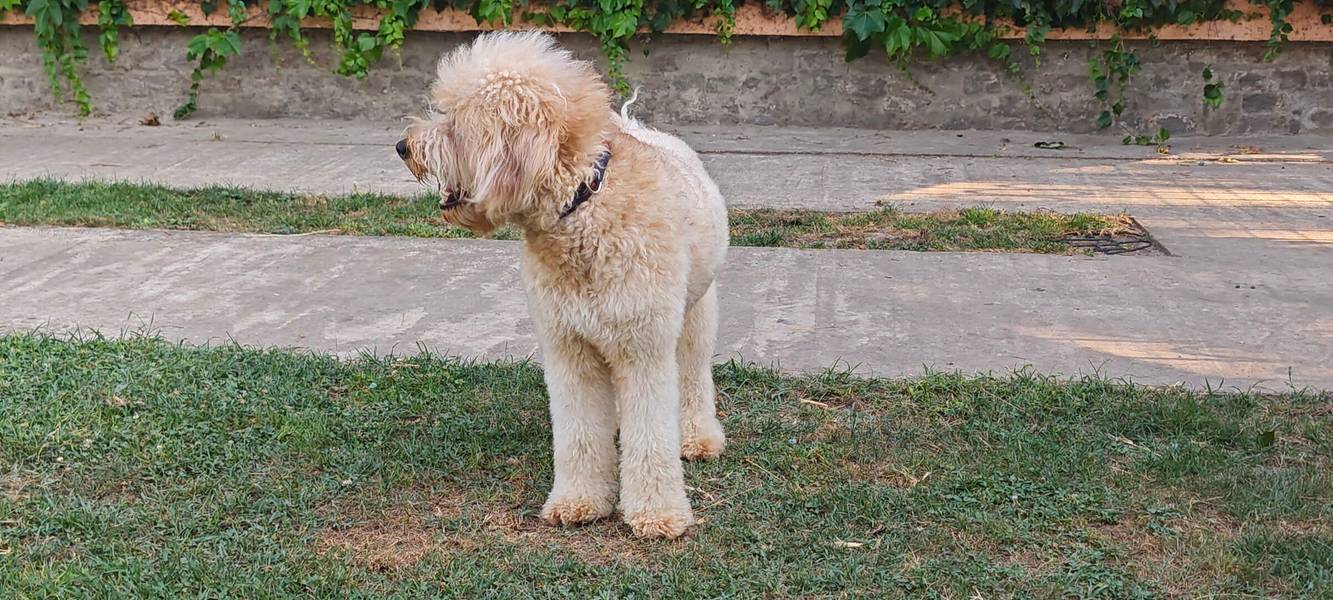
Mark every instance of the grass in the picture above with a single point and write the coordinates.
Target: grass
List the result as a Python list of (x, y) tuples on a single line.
[(969, 229), (136, 206), (135, 468)]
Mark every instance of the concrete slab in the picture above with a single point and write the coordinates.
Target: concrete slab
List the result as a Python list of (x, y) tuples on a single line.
[(1157, 321)]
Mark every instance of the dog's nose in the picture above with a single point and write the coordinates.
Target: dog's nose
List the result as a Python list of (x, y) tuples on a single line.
[(402, 149)]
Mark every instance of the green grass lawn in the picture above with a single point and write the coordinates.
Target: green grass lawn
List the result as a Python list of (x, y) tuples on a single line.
[(135, 468), (136, 206)]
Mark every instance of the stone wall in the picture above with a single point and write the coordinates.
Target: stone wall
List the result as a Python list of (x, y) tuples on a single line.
[(792, 81)]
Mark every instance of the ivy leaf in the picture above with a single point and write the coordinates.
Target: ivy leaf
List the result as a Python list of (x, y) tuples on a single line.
[(179, 17), (1101, 87), (934, 42), (233, 41), (623, 24), (1104, 120), (1207, 73), (1163, 135), (47, 16), (198, 45), (899, 39), (864, 22), (365, 42), (999, 51), (300, 8), (1212, 94), (947, 36)]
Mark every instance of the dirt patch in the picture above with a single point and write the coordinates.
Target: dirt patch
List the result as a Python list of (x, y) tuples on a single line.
[(1029, 559), (1184, 562), (899, 476), (1305, 528), (14, 486), (406, 533), (396, 539), (604, 542), (1135, 539)]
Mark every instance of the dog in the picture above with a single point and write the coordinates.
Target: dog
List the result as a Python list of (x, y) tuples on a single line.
[(623, 236)]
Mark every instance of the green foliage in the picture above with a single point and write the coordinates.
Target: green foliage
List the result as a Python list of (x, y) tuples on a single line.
[(1114, 68), (1212, 89), (614, 22), (111, 16), (211, 50), (1277, 13), (1156, 139), (903, 29), (56, 23)]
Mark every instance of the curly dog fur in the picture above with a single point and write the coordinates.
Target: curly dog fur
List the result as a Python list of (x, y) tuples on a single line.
[(621, 290)]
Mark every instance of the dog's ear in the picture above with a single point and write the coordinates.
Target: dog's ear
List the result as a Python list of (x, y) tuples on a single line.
[(509, 170)]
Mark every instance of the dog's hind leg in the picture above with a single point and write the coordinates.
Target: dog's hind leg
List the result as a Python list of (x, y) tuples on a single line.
[(701, 434), (583, 425)]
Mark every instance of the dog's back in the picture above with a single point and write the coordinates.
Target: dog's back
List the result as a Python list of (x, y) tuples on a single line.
[(678, 154), (701, 200)]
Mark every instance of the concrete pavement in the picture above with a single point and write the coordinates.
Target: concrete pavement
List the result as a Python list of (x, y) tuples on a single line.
[(1245, 298)]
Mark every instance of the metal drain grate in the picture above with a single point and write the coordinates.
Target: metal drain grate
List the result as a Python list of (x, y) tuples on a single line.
[(1108, 244)]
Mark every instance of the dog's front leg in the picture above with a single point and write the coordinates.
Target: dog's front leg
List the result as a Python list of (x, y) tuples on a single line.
[(583, 427), (652, 493)]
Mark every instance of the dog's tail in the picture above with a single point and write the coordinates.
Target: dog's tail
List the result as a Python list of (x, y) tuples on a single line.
[(627, 121)]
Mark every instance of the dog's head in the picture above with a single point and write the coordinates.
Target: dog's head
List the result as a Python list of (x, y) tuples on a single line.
[(514, 121)]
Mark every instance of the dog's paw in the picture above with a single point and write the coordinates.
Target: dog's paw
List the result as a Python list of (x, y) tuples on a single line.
[(703, 441), (703, 447), (666, 524), (569, 511)]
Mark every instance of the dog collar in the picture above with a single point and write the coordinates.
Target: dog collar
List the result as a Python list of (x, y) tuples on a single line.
[(590, 187)]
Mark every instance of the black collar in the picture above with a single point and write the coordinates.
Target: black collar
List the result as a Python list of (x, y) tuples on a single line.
[(588, 188)]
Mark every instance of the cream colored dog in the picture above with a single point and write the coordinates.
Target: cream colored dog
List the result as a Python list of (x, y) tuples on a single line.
[(623, 235)]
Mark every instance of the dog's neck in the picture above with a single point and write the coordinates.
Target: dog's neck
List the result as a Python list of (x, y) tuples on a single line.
[(572, 187), (588, 187)]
